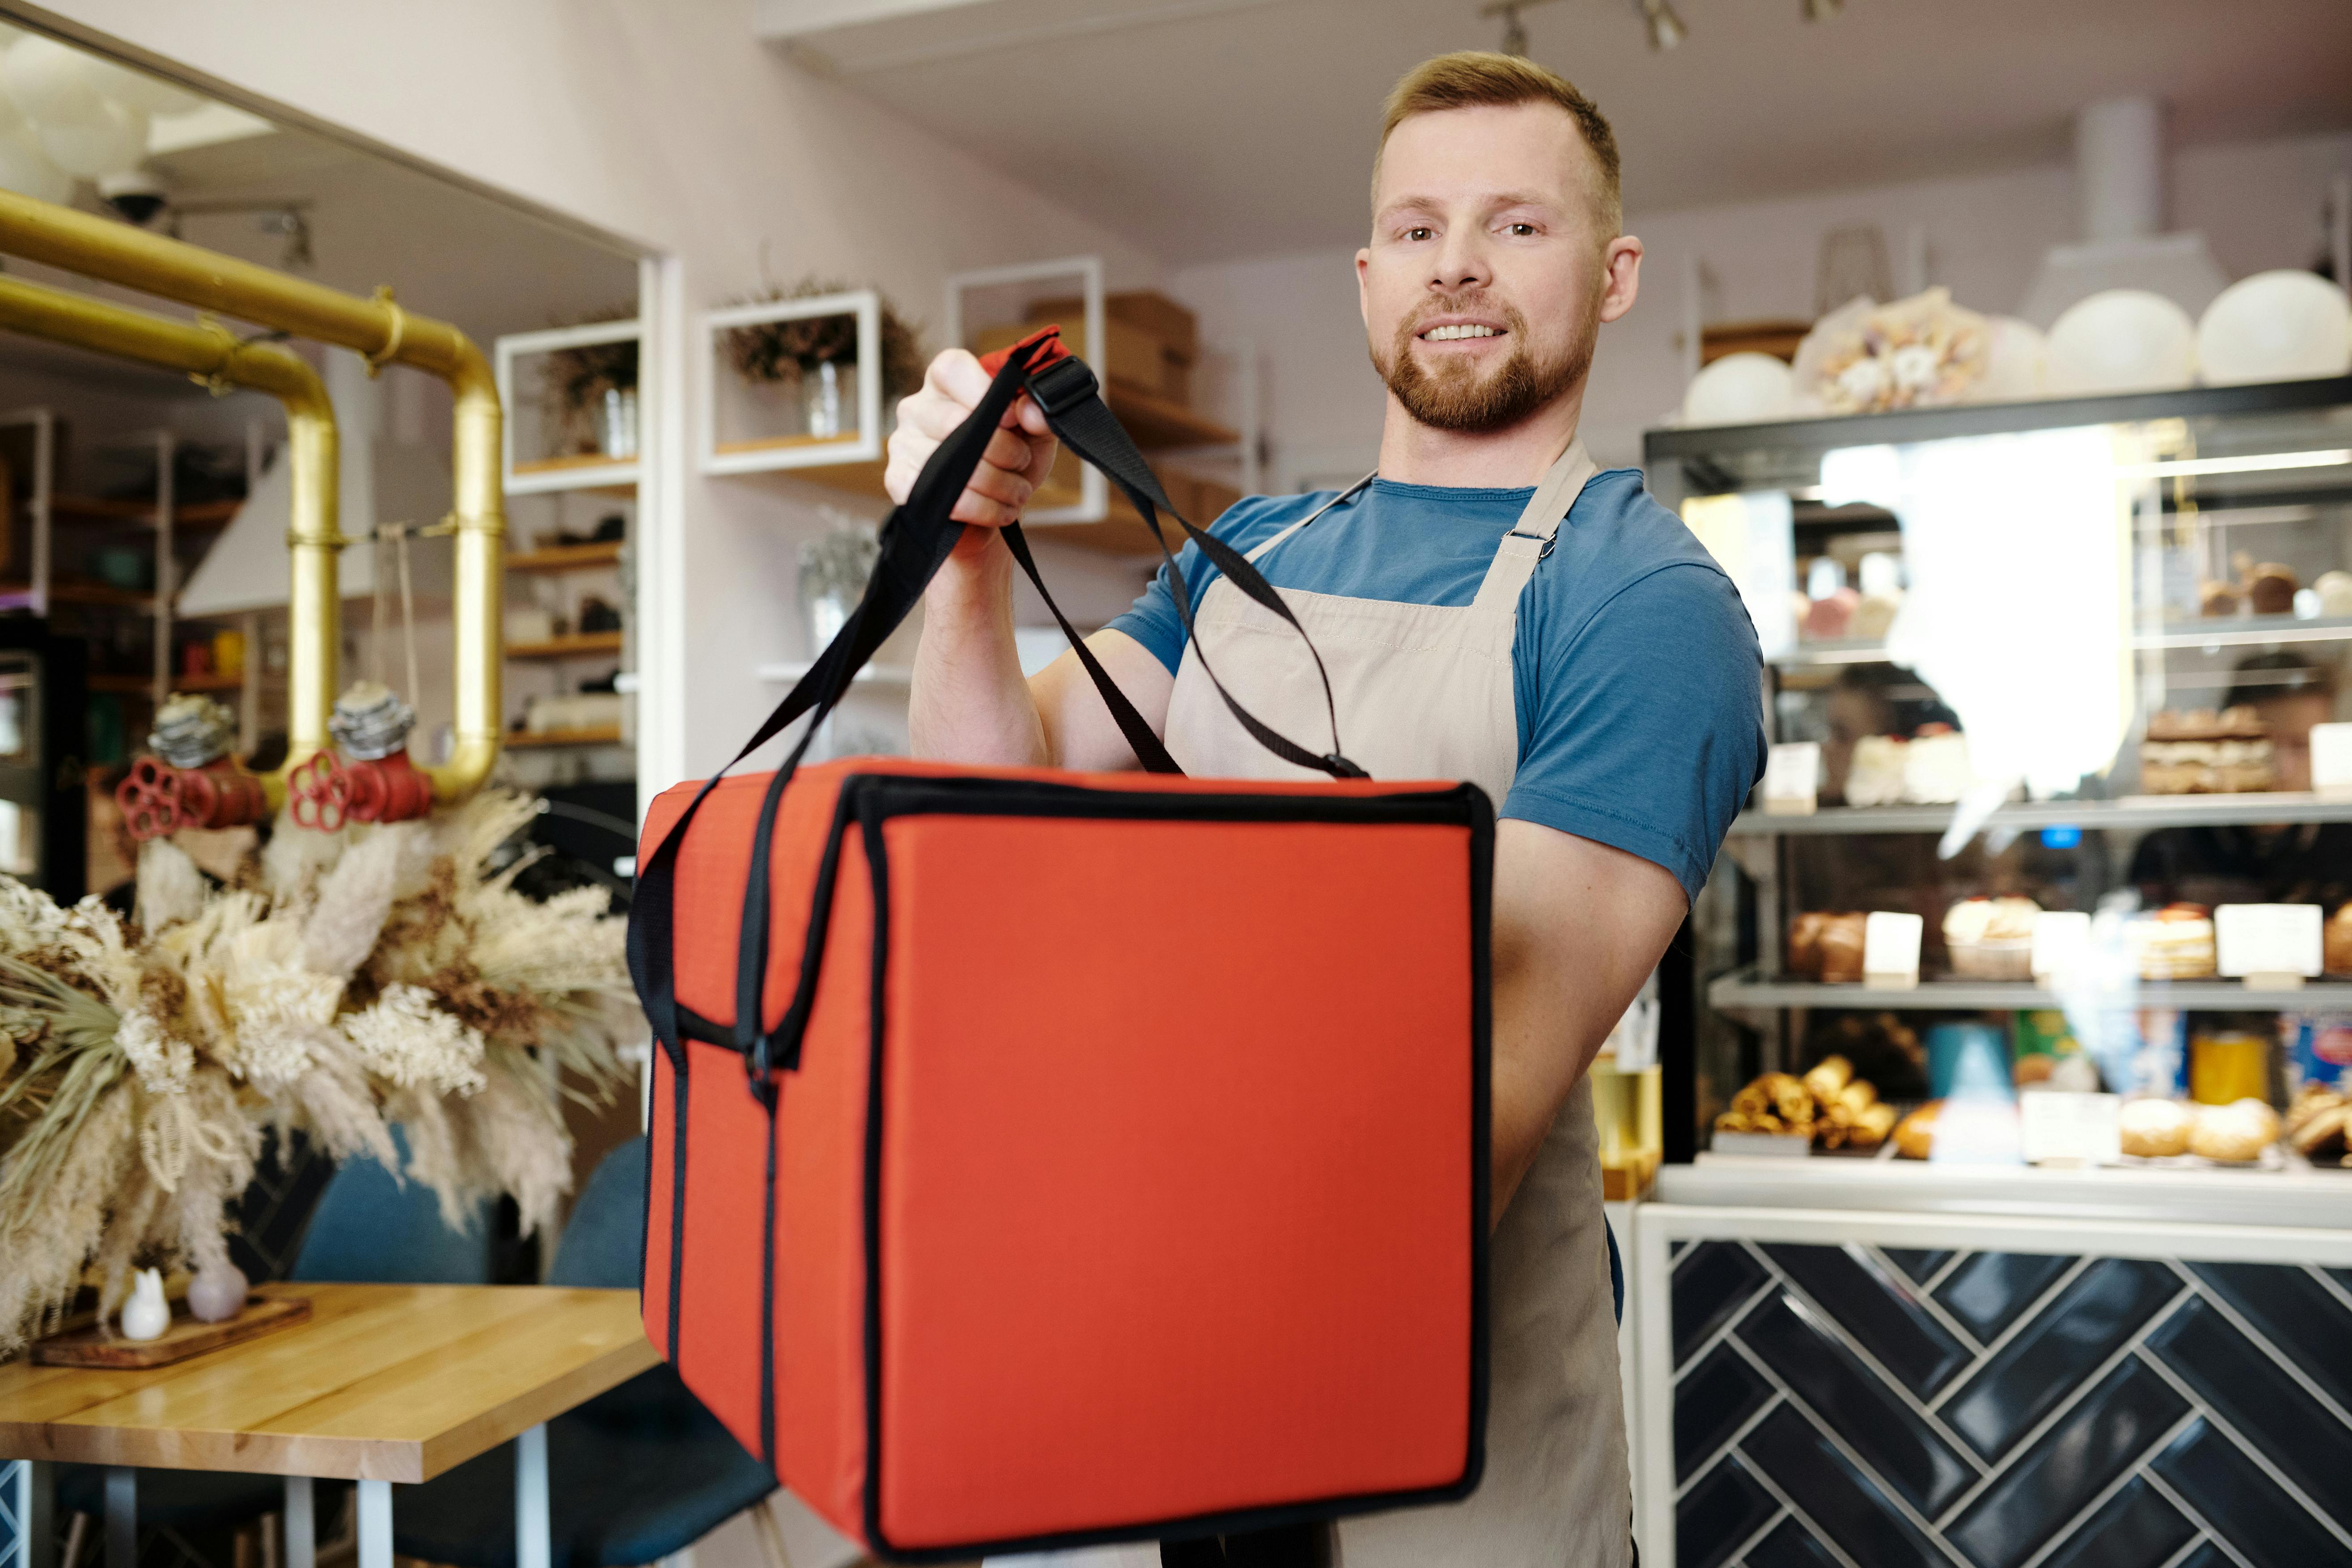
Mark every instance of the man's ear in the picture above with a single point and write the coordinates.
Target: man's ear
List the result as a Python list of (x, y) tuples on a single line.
[(1363, 287), (1621, 276)]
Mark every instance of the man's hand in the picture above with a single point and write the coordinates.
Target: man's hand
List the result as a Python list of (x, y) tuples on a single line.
[(1578, 927), (1018, 458)]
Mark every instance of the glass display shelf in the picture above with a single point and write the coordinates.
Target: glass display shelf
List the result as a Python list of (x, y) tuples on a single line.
[(2130, 812), (1750, 988)]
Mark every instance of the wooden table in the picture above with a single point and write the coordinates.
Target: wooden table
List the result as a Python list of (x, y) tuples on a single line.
[(384, 1384)]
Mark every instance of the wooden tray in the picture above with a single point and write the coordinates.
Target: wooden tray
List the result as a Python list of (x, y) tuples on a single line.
[(186, 1337)]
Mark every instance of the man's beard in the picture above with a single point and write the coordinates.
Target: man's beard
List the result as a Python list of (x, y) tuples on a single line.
[(1458, 397)]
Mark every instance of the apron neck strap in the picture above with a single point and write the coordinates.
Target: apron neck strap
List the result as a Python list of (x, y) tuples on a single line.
[(1532, 536)]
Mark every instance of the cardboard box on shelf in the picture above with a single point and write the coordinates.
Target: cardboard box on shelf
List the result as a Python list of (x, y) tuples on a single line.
[(1177, 328), (1137, 359)]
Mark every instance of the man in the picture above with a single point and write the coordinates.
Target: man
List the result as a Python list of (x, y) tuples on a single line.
[(1489, 608)]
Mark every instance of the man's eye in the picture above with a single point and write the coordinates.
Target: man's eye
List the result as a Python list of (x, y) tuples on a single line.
[(1419, 232), (1523, 230)]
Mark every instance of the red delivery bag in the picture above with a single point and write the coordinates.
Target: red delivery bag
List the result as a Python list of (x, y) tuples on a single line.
[(1045, 1158)]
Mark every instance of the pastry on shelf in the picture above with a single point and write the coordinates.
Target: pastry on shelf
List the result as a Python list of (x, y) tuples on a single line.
[(1914, 1136), (2155, 1128), (2335, 940), (2215, 599), (2318, 1124), (2235, 1134), (1830, 617), (1776, 1102), (1804, 953), (2203, 753), (1992, 938), (2270, 589), (1841, 949), (2334, 591), (1828, 1105), (1875, 776), (2175, 942), (1936, 770), (1827, 1077)]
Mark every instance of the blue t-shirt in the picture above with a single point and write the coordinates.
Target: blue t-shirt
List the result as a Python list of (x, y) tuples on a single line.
[(1636, 670)]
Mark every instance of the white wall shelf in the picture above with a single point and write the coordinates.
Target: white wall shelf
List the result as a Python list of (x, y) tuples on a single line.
[(886, 676), (754, 453), (566, 471), (1091, 501)]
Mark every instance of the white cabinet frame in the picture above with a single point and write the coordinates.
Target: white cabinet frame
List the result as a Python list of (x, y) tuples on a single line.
[(865, 446)]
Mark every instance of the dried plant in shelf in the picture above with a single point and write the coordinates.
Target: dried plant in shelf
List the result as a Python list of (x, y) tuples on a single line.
[(786, 350), (575, 380), (345, 983)]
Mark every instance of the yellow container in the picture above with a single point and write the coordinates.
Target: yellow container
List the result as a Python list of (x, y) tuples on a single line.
[(2228, 1067), (1629, 1108), (228, 652)]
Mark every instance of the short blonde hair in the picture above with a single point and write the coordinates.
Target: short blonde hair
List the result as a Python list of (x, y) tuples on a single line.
[(1479, 78)]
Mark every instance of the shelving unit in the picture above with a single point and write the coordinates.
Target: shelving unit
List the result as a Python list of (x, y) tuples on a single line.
[(533, 474), (579, 645), (790, 450), (1752, 988), (567, 557), (2139, 811), (607, 735)]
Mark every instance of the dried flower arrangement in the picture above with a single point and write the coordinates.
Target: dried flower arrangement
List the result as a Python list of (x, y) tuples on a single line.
[(348, 982), (574, 381), (784, 351)]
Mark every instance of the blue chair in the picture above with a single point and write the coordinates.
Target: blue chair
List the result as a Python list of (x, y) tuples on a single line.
[(637, 1473), (367, 1227)]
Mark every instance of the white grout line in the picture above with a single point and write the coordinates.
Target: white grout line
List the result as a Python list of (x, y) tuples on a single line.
[(2198, 1520), (2193, 1542), (2230, 1315), (1699, 1473), (1920, 1295), (2017, 1325), (1769, 1525), (2024, 1444), (1826, 1322), (1944, 1270), (1887, 1493), (2261, 1460), (2065, 1536), (2327, 1283), (1821, 1537)]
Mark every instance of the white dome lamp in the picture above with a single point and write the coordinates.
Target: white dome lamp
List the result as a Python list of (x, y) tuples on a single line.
[(138, 89), (1741, 389), (2122, 340), (27, 170), (117, 142), (46, 81), (2275, 326)]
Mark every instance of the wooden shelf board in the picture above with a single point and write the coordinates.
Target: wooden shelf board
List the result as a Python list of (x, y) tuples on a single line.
[(100, 508), (566, 557), (1163, 422), (782, 444), (71, 591), (603, 735), (583, 645)]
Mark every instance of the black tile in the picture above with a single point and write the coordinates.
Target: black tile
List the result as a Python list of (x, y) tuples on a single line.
[(1713, 1281), (1835, 1496), (2343, 1277), (1920, 1265), (1880, 1308), (2098, 1439), (1790, 1545), (2296, 1313), (2243, 1506), (1855, 1404), (1710, 1401), (1714, 1516), (2269, 1409), (1988, 1291), (2134, 1528), (2048, 1358), (2207, 1555)]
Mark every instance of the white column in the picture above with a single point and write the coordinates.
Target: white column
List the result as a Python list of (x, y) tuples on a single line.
[(122, 1516), (301, 1524), (375, 1524), (533, 1533)]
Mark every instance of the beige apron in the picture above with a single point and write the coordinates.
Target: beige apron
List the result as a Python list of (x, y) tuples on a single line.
[(1426, 692)]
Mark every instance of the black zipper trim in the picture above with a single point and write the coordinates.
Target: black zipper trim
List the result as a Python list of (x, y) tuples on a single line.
[(677, 1196), (878, 797)]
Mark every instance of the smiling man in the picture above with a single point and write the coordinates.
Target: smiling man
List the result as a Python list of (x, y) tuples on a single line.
[(1489, 608)]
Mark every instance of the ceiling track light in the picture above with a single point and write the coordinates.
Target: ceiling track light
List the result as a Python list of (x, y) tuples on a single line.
[(1665, 28)]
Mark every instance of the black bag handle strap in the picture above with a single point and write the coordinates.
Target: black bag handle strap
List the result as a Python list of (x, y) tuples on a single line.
[(1072, 401)]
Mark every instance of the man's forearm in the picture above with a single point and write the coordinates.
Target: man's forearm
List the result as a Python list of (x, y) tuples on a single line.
[(969, 702)]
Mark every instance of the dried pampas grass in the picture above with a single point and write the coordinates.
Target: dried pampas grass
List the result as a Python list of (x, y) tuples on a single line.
[(349, 983)]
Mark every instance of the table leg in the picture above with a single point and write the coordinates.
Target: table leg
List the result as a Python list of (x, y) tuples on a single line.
[(533, 1533), (37, 1492), (122, 1516), (301, 1525), (375, 1524)]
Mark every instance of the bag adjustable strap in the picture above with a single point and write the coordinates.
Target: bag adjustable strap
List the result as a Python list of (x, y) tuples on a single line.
[(1072, 401)]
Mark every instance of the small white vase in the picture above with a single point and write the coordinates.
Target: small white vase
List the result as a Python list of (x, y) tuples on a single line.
[(217, 1293), (146, 1315)]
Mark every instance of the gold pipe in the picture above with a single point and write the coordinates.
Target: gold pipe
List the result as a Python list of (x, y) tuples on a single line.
[(383, 334), (206, 352)]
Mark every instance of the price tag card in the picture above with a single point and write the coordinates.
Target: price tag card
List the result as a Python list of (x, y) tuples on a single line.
[(1890, 949), (2059, 1128), (2062, 942), (2331, 760), (2267, 939), (1793, 775)]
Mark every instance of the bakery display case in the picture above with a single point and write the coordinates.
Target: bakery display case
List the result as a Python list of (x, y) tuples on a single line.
[(2007, 1058)]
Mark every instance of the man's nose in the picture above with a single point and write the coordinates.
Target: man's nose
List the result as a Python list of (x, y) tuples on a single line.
[(1463, 263)]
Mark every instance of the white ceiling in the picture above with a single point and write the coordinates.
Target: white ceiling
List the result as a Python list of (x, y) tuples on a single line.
[(1214, 129)]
